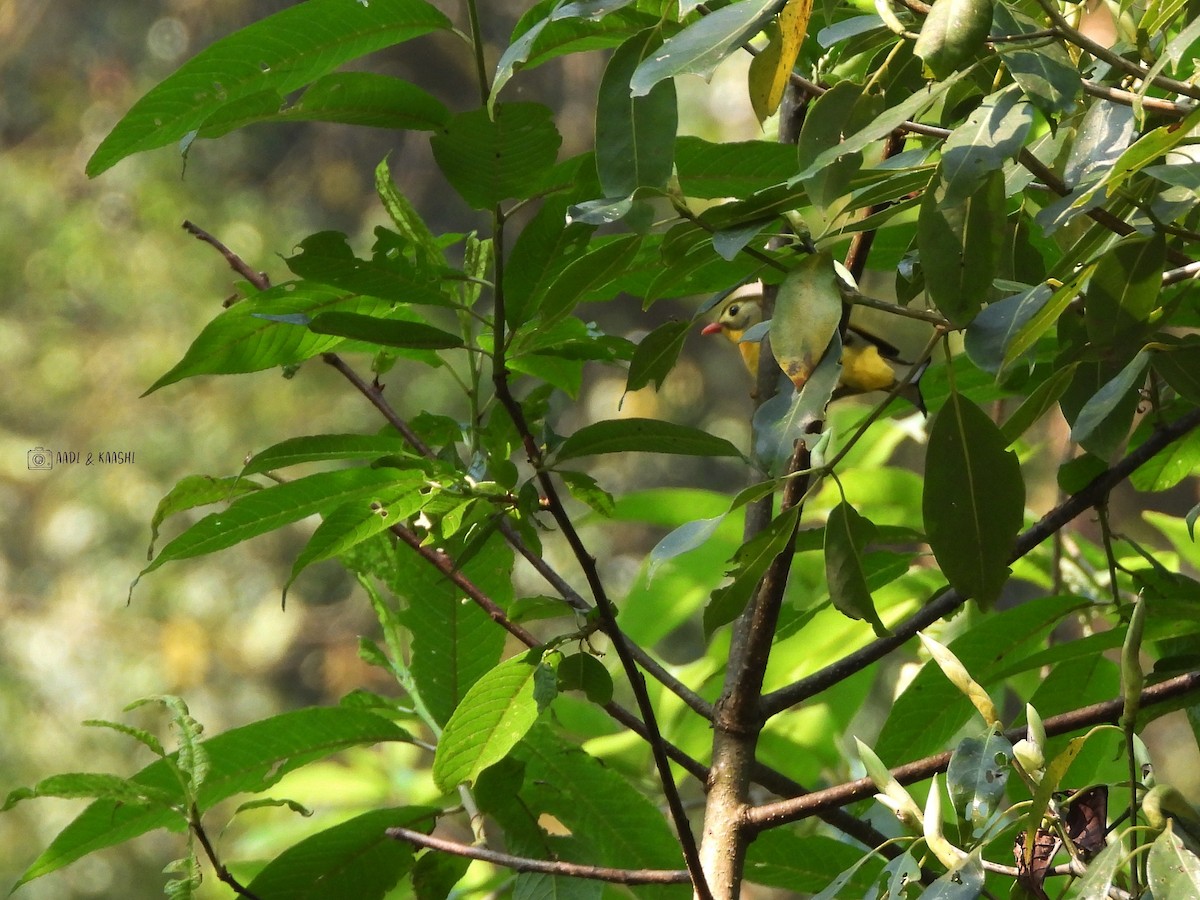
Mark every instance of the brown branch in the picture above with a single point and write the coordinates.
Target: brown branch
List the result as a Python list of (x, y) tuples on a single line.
[(223, 874), (950, 600), (1107, 712), (1115, 60), (258, 279), (545, 867)]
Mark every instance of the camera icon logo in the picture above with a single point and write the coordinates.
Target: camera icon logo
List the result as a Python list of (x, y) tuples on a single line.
[(40, 458)]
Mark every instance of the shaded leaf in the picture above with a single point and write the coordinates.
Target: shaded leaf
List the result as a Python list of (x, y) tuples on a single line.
[(655, 355), (492, 158), (974, 499), (1114, 394), (749, 565), (387, 332), (960, 246), (952, 33), (645, 436), (846, 536), (700, 47), (635, 136)]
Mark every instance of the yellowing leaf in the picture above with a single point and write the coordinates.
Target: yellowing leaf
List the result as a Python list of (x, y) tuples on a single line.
[(769, 70), (808, 309)]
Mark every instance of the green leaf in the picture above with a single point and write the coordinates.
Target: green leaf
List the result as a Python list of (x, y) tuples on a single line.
[(931, 710), (280, 54), (954, 31), (781, 859), (1102, 871), (645, 436), (992, 135), (735, 169), (1046, 74), (495, 714), (354, 859), (1043, 319), (489, 159), (750, 563), (544, 33), (1124, 289), (386, 332), (960, 246), (193, 491), (685, 538), (352, 523), (1170, 466), (324, 448), (591, 276), (974, 500), (583, 672), (586, 489), (700, 47), (884, 124), (1173, 869), (351, 98), (251, 758), (655, 355), (91, 785), (1114, 394), (326, 257), (976, 778), (435, 874), (846, 536), (1181, 370), (618, 823), (783, 420), (1039, 401), (245, 337), (271, 508), (453, 643), (635, 136), (404, 215), (542, 250)]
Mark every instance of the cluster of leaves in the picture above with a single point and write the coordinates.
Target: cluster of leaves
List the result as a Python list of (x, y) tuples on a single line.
[(1025, 185)]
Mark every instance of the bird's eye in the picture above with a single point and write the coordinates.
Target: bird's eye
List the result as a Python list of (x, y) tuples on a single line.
[(733, 310)]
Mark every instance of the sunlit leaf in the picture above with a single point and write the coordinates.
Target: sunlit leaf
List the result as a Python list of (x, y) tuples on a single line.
[(281, 53), (493, 716)]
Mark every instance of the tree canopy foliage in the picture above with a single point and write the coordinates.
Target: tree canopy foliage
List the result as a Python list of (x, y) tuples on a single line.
[(1006, 189)]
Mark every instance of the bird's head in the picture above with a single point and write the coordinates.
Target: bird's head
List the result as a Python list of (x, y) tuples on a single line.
[(736, 316)]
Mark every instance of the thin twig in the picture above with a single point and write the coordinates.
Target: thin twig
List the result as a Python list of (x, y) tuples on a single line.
[(546, 867), (223, 874), (258, 279)]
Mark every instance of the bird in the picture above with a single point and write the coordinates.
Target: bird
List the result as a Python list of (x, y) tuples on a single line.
[(865, 358)]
